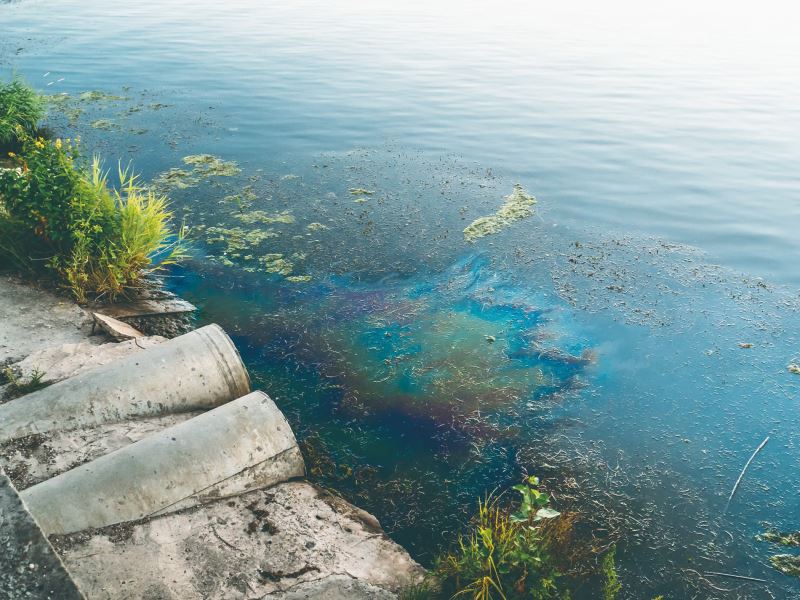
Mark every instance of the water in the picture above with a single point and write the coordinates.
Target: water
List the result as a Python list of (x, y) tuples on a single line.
[(597, 343)]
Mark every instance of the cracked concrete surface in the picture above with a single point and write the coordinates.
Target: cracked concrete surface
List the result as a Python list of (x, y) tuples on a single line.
[(291, 541)]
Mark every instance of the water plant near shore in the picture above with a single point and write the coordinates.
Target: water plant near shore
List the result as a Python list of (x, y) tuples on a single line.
[(505, 555), (99, 241), (21, 108)]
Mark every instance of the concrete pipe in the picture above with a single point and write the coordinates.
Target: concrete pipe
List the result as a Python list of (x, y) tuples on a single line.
[(196, 371), (241, 446)]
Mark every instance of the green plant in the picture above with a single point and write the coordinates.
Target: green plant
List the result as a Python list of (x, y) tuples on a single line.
[(419, 591), (18, 386), (21, 108), (99, 240), (611, 585), (504, 556)]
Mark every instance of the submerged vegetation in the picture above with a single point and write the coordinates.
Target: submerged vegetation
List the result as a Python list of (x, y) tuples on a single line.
[(788, 564), (59, 216), (517, 206)]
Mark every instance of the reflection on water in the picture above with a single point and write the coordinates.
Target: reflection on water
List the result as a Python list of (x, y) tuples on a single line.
[(585, 343)]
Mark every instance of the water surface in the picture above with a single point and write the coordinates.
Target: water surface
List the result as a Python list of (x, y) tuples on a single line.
[(598, 343)]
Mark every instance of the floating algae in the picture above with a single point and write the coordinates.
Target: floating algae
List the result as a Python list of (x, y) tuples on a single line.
[(175, 179), (361, 192), (97, 96), (260, 216), (783, 539), (237, 239), (239, 246), (788, 564), (243, 200), (208, 165), (73, 107), (104, 124), (299, 278), (516, 207), (316, 227), (276, 263), (204, 167)]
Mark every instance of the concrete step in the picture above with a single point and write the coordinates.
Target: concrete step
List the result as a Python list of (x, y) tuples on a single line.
[(270, 543)]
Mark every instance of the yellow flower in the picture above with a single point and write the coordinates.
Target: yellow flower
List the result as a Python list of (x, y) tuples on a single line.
[(58, 143), (11, 155)]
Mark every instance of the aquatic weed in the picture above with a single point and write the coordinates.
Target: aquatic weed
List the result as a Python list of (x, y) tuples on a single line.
[(517, 206), (503, 557)]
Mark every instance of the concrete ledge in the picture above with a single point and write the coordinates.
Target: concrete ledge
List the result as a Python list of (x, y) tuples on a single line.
[(287, 542)]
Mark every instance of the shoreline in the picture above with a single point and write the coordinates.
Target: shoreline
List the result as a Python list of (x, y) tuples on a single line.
[(287, 539)]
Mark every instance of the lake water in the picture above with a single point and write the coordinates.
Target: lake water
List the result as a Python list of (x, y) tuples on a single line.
[(629, 342)]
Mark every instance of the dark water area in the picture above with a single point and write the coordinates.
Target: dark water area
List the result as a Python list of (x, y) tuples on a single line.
[(628, 341)]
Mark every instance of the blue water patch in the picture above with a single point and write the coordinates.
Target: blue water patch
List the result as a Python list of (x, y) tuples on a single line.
[(430, 383)]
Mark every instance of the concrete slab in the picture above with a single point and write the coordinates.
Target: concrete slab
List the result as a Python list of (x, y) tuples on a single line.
[(29, 568), (290, 540), (33, 318), (148, 307)]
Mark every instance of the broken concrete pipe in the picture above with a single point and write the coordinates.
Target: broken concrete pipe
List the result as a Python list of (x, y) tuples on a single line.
[(242, 446), (196, 371)]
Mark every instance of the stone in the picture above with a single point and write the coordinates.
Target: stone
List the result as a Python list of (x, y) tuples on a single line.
[(116, 329)]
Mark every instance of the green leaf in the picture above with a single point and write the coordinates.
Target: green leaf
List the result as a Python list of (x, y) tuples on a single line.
[(546, 513)]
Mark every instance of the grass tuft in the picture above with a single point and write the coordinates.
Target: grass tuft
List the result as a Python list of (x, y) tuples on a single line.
[(21, 108)]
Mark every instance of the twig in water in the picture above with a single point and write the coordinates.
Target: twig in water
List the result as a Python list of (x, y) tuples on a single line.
[(738, 481), (732, 576)]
